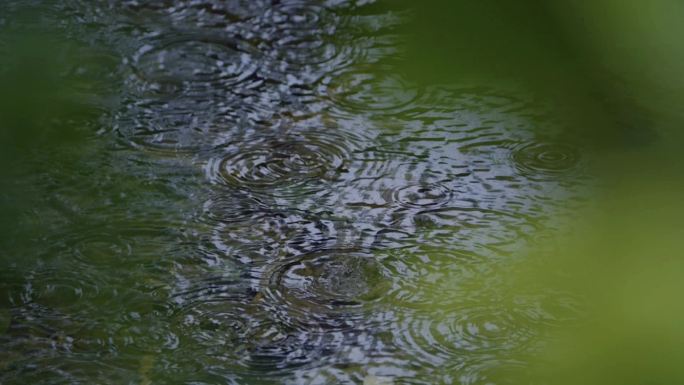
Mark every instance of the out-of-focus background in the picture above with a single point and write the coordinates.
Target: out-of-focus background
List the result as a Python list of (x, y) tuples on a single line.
[(612, 73)]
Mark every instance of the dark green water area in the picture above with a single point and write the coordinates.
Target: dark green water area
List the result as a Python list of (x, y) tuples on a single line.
[(254, 192)]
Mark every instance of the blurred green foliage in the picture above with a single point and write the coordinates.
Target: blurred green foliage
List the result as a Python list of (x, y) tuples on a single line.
[(626, 264), (613, 71)]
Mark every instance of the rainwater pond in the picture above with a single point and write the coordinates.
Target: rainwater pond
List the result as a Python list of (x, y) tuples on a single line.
[(252, 192)]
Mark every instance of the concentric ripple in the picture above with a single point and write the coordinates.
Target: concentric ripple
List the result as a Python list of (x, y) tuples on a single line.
[(422, 195), (326, 289), (95, 72), (429, 277), (211, 311), (163, 128), (291, 166), (112, 245), (180, 125), (102, 249), (275, 348), (370, 89), (453, 303), (312, 52), (478, 229), (302, 35), (295, 16), (542, 159), (195, 61), (452, 337), (219, 312)]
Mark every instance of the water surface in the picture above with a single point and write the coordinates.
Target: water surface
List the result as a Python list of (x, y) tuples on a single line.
[(257, 195)]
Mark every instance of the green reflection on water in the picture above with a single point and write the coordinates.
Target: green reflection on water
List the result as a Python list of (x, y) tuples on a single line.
[(123, 260)]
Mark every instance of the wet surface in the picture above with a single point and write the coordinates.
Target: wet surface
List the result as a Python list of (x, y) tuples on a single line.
[(260, 197)]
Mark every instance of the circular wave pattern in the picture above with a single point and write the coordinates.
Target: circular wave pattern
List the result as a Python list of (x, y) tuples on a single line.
[(194, 61), (430, 277), (324, 289), (422, 195), (474, 228), (190, 13), (282, 167), (454, 307), (275, 348), (542, 159), (113, 245), (315, 54), (95, 72), (295, 17), (474, 341), (224, 312), (374, 90), (211, 311), (102, 249), (302, 35), (177, 132), (481, 329), (173, 126)]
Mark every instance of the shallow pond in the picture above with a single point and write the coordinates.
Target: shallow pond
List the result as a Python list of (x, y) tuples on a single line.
[(256, 195)]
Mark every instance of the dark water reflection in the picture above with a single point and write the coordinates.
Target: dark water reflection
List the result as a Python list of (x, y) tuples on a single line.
[(262, 198)]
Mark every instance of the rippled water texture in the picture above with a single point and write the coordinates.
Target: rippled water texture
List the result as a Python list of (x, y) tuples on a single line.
[(261, 197)]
